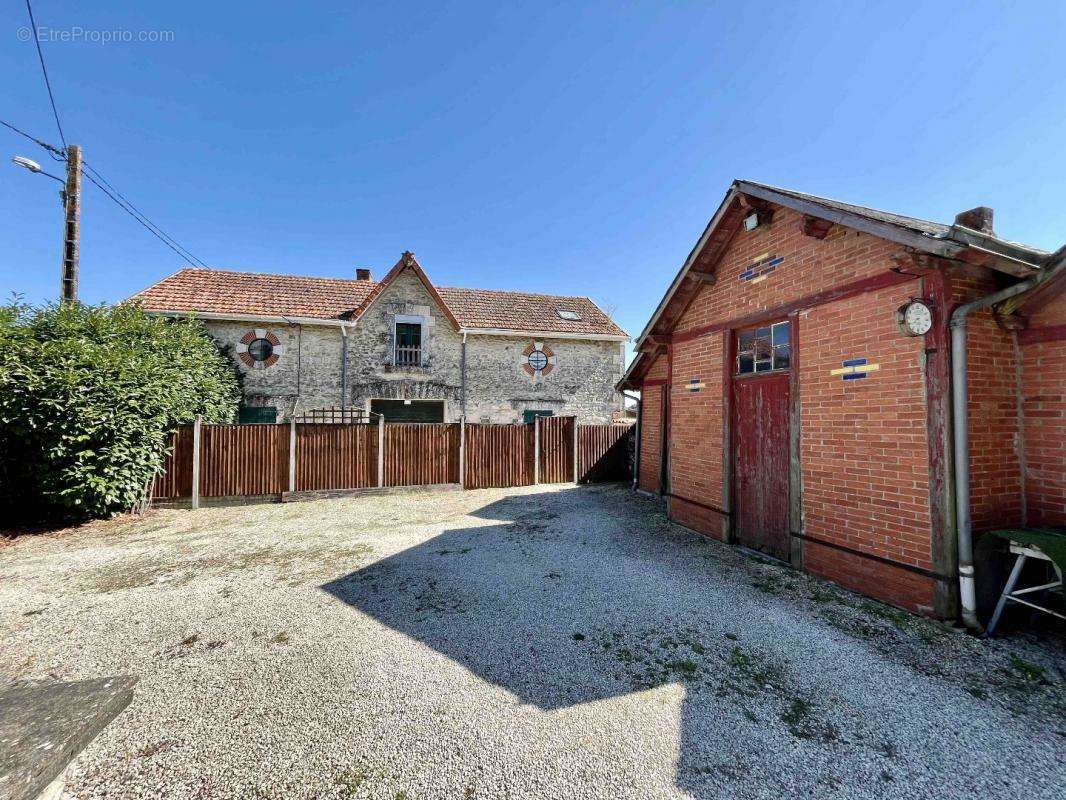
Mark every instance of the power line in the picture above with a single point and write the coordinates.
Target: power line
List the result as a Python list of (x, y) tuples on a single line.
[(50, 148), (116, 196), (147, 223), (44, 71), (139, 215)]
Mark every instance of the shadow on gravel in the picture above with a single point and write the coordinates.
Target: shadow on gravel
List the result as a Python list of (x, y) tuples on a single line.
[(561, 615)]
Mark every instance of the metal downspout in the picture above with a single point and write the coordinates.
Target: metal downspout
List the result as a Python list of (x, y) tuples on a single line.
[(961, 435), (344, 369), (462, 380)]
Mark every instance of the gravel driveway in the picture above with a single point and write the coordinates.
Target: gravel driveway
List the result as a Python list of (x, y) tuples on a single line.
[(541, 642)]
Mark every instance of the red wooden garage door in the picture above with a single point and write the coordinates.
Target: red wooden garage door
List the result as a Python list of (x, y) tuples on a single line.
[(760, 404)]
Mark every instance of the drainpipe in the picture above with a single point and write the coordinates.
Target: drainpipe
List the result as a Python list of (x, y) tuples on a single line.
[(462, 379), (344, 369), (961, 434)]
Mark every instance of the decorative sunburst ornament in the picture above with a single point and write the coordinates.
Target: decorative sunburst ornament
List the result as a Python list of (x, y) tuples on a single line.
[(259, 349), (537, 360)]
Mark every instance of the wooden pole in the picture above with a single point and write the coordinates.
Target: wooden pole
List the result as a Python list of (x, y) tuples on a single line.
[(381, 452), (71, 207), (577, 469), (292, 454), (196, 461), (462, 451), (536, 449)]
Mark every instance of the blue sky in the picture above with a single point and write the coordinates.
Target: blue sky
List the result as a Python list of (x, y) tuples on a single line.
[(574, 148)]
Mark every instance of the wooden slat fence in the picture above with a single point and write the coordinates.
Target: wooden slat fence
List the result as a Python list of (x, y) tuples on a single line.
[(556, 449), (332, 456), (603, 452), (176, 478), (498, 455), (420, 454), (253, 460), (244, 460)]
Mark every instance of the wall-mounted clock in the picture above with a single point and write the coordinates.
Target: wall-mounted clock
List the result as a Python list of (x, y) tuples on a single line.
[(915, 318)]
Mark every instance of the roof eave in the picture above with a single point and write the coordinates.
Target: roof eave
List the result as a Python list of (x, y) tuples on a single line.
[(602, 337), (223, 317), (730, 195)]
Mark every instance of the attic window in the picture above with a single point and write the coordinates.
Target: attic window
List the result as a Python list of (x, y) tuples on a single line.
[(565, 313)]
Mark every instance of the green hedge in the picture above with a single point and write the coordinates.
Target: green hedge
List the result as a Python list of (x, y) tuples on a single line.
[(88, 396)]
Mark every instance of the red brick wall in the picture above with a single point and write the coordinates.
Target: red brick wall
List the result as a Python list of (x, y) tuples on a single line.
[(864, 445), (810, 266), (995, 471), (883, 581), (1044, 405), (696, 434), (864, 449), (651, 415), (696, 421)]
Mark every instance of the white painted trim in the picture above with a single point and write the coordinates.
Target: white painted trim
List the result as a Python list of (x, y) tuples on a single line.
[(332, 323), (597, 337)]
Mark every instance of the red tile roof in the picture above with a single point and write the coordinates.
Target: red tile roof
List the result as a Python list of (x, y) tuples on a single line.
[(212, 291), (216, 291)]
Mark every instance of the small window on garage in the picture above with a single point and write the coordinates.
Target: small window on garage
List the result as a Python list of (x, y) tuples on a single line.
[(766, 348)]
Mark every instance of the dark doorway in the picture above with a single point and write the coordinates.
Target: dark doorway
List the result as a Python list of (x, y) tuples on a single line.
[(761, 450), (409, 410)]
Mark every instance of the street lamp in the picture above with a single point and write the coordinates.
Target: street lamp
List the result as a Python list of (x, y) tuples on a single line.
[(71, 197)]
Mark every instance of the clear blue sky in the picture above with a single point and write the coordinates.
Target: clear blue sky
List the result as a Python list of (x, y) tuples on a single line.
[(570, 148)]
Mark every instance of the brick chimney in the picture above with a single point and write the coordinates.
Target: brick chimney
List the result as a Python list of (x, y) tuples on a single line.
[(362, 274), (978, 219)]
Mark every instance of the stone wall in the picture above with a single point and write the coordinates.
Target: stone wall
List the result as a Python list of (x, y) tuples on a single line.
[(580, 382)]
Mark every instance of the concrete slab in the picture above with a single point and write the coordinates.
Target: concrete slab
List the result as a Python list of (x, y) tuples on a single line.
[(45, 724)]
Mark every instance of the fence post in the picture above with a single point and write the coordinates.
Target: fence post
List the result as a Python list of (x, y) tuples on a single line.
[(536, 449), (196, 461), (462, 451), (292, 454), (577, 469), (381, 452)]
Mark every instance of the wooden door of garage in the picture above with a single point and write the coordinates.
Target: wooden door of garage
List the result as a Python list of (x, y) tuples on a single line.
[(760, 425)]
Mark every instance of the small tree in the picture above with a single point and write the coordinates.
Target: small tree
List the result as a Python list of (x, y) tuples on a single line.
[(88, 397)]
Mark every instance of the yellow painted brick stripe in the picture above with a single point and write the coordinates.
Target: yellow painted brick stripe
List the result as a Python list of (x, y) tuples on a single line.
[(855, 368)]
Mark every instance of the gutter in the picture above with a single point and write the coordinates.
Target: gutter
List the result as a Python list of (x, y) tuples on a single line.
[(597, 337), (285, 320), (961, 432)]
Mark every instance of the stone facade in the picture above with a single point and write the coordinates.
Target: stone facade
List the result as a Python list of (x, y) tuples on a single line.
[(308, 375)]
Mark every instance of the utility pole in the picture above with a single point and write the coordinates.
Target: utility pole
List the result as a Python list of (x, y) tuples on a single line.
[(71, 208)]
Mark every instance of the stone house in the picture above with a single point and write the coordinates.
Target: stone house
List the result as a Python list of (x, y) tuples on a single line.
[(402, 347), (859, 393)]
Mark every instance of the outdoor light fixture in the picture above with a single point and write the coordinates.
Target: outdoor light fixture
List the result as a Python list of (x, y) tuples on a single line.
[(29, 164), (34, 167), (751, 222)]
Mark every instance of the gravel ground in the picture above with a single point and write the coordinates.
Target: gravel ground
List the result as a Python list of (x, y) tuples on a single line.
[(541, 642)]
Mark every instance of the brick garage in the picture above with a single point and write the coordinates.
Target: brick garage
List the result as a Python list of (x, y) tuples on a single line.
[(825, 440)]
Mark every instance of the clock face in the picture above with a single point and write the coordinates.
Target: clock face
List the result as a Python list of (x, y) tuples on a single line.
[(917, 318)]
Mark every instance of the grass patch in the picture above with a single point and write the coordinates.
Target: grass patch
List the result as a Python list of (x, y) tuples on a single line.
[(798, 718), (282, 637), (1033, 673)]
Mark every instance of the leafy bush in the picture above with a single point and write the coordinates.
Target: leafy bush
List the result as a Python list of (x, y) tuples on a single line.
[(88, 396)]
